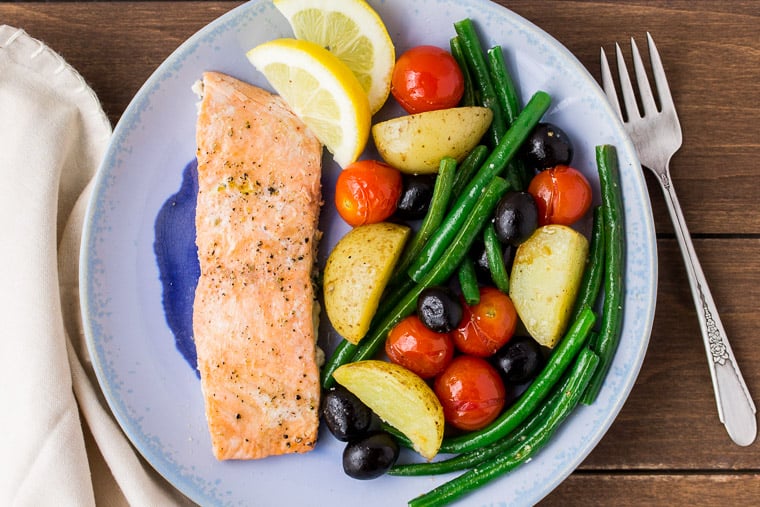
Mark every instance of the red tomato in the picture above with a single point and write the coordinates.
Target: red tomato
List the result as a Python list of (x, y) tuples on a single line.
[(367, 192), (486, 326), (419, 349), (471, 392), (426, 78), (562, 194)]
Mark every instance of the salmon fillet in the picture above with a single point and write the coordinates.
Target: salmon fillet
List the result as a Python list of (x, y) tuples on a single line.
[(255, 308)]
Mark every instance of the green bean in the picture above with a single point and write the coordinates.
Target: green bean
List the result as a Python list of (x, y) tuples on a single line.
[(493, 166), (581, 373), (517, 174), (504, 86), (614, 244), (481, 454), (476, 62), (591, 282), (469, 97), (468, 168), (468, 281), (439, 204), (593, 337), (495, 258), (391, 297), (400, 438), (342, 354), (563, 355), (439, 273)]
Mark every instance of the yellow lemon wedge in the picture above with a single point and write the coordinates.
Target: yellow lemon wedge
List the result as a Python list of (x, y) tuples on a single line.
[(321, 90), (352, 31)]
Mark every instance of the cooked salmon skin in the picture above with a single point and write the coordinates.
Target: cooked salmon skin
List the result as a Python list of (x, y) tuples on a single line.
[(255, 308)]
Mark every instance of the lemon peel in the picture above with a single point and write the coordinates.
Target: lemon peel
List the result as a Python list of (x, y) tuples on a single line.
[(321, 90), (354, 32)]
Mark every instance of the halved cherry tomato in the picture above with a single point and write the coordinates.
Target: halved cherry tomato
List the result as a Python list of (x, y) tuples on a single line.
[(426, 78), (562, 194), (486, 326), (367, 192), (471, 392), (418, 348)]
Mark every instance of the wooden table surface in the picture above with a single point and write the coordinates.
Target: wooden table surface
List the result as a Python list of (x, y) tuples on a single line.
[(667, 447)]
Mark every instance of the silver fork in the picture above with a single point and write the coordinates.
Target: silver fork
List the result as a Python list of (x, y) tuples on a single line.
[(657, 136)]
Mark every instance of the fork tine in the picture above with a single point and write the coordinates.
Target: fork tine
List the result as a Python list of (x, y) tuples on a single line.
[(609, 85), (629, 99), (663, 90), (645, 90)]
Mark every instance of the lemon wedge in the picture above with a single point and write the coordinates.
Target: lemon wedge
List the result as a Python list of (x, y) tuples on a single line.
[(352, 31), (321, 90)]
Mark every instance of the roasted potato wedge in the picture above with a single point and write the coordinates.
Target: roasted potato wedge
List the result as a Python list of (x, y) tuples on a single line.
[(400, 398), (546, 276), (416, 143), (356, 273)]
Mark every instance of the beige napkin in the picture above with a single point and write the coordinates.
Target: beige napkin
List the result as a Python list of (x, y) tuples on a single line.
[(59, 444)]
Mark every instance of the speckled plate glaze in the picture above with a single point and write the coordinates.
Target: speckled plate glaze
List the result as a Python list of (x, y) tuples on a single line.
[(152, 391)]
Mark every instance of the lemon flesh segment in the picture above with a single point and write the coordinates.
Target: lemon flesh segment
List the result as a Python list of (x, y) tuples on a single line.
[(352, 31), (321, 90)]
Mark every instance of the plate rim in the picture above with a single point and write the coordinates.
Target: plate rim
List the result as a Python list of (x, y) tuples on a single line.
[(132, 113)]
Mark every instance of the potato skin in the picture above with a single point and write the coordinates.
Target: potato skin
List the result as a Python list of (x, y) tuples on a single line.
[(356, 272), (400, 398), (415, 144), (545, 279)]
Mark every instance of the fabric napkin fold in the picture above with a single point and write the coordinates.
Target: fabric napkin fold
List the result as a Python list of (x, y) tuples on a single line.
[(59, 443)]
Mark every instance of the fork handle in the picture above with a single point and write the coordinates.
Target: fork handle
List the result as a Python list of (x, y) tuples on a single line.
[(735, 406)]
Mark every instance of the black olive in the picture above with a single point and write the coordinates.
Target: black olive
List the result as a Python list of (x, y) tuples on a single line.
[(515, 218), (514, 391), (345, 415), (519, 361), (547, 146), (370, 457), (439, 309), (416, 192)]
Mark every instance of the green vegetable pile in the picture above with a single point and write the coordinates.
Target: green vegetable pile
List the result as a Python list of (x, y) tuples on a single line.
[(463, 200)]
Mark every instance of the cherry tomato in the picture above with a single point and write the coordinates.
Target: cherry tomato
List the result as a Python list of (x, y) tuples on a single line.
[(419, 349), (562, 194), (471, 392), (367, 192), (426, 78), (486, 326)]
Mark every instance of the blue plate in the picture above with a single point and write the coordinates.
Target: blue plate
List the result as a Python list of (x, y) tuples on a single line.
[(152, 391)]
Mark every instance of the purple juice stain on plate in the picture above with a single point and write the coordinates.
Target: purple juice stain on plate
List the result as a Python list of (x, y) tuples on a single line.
[(177, 259)]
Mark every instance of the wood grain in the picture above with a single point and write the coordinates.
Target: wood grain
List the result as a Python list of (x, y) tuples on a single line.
[(667, 490), (709, 48), (667, 446)]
